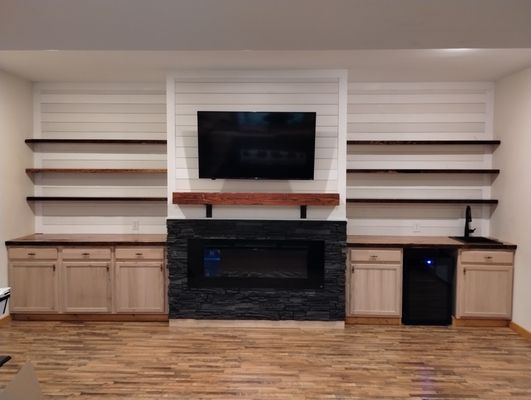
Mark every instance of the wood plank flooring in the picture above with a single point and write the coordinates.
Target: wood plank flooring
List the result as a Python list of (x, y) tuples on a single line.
[(96, 360)]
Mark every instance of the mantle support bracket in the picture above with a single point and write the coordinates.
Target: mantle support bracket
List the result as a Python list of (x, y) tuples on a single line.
[(304, 210), (208, 209)]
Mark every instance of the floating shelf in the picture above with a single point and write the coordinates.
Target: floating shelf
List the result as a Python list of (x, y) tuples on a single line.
[(275, 199), (423, 201), (424, 142), (97, 170), (97, 141), (421, 171), (81, 198)]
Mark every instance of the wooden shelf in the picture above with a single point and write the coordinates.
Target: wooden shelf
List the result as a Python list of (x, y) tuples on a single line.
[(275, 199), (97, 170), (97, 141), (424, 142), (423, 201), (421, 171), (84, 198)]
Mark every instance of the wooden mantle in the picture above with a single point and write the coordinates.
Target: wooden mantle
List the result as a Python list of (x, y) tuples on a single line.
[(257, 199)]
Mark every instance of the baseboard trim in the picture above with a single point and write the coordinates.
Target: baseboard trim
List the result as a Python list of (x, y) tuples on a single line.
[(4, 319), (92, 317), (480, 323), (373, 320), (520, 330), (287, 324)]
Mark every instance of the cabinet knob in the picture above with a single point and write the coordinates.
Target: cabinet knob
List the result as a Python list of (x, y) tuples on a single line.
[(488, 257)]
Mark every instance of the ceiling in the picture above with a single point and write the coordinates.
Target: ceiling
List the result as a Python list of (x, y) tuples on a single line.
[(263, 24), (363, 65), (376, 40)]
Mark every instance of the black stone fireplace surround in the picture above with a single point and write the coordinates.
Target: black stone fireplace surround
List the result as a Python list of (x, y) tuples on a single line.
[(258, 303)]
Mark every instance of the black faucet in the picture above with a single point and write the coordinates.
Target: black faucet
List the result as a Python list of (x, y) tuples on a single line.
[(468, 220)]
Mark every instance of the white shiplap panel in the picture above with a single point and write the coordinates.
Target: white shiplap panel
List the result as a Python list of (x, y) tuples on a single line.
[(321, 120), (130, 98), (255, 87), (264, 92), (322, 109), (100, 111), (416, 111), (256, 98)]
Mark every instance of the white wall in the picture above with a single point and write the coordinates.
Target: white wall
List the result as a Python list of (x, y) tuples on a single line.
[(511, 220), (66, 110), (418, 111), (322, 91), (16, 217)]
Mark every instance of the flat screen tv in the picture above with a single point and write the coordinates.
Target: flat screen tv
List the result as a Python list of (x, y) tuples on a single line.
[(256, 145)]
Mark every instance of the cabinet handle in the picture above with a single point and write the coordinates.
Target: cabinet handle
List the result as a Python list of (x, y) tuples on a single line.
[(107, 267), (488, 257), (138, 254), (53, 268), (31, 254), (162, 268), (373, 257), (85, 254), (464, 271)]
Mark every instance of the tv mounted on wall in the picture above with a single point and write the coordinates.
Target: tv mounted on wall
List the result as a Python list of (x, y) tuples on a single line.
[(256, 145)]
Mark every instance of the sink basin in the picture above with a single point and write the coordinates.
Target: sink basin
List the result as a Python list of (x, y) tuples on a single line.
[(475, 240)]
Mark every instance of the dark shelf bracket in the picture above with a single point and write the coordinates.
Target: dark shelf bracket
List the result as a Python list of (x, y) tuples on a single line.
[(208, 209), (304, 210)]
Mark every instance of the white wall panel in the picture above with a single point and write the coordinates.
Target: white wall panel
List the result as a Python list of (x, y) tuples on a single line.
[(322, 92), (100, 111), (418, 111)]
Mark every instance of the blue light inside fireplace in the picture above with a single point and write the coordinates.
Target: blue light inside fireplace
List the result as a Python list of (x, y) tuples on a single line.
[(211, 261)]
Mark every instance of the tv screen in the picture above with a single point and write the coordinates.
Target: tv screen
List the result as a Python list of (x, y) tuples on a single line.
[(256, 145)]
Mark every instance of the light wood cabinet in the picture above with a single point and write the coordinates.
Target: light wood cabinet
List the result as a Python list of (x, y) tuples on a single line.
[(375, 282), (87, 280), (87, 287), (484, 284), (33, 286), (139, 286)]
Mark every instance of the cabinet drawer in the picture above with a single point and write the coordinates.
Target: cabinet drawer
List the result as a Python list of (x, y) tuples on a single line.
[(86, 254), (32, 253), (140, 253), (376, 255), (486, 257)]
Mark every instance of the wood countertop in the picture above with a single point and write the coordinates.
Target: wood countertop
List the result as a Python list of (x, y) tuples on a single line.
[(420, 241), (40, 239)]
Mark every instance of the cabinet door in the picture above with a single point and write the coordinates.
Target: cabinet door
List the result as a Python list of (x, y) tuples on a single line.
[(33, 286), (485, 291), (87, 287), (140, 287), (375, 290)]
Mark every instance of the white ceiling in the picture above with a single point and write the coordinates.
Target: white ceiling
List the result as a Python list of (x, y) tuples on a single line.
[(263, 24), (376, 40), (363, 65)]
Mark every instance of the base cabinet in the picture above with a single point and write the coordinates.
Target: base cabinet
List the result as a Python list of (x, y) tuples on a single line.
[(87, 287), (33, 286), (107, 280), (375, 283), (138, 287), (485, 284)]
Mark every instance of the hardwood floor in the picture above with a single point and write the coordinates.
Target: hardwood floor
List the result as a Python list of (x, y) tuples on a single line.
[(96, 360)]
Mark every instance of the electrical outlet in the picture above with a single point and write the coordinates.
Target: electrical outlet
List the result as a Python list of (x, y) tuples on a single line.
[(416, 227), (136, 225)]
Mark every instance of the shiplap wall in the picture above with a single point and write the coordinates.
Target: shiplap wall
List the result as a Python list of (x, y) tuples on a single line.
[(418, 111), (321, 91), (100, 111)]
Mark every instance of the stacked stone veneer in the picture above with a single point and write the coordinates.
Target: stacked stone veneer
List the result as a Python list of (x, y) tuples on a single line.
[(327, 304)]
